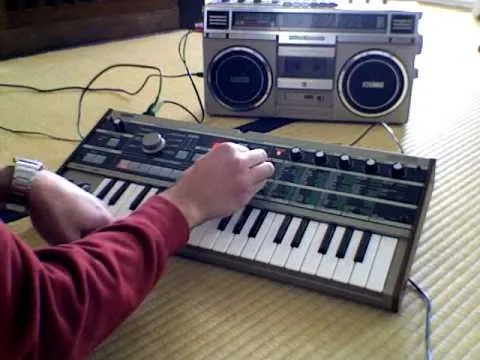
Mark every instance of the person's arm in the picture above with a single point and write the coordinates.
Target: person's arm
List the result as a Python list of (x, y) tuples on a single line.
[(6, 173), (61, 301)]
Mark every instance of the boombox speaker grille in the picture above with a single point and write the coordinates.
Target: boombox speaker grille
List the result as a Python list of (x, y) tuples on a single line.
[(373, 83), (240, 78)]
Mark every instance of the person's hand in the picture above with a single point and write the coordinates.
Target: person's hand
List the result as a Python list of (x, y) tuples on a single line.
[(61, 212), (222, 181)]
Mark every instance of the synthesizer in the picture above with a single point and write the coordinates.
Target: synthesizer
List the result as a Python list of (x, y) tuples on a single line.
[(344, 221)]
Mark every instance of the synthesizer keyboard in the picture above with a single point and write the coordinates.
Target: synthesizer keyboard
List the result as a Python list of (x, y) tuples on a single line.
[(341, 220)]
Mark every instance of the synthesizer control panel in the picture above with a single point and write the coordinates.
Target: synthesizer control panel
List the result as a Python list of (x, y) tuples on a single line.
[(348, 201)]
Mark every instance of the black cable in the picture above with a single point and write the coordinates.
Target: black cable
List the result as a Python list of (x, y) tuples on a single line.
[(79, 88), (184, 108), (27, 132), (87, 88), (365, 133), (428, 318), (182, 53)]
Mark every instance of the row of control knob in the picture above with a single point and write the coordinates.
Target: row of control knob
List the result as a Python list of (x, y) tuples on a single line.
[(154, 142), (345, 162)]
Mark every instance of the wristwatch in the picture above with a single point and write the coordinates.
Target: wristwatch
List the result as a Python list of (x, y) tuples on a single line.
[(23, 174)]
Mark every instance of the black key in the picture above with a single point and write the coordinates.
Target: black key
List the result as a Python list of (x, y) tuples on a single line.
[(243, 219), (363, 246), (258, 223), (138, 199), (223, 223), (282, 229), (113, 200), (327, 239), (299, 234), (101, 195), (342, 249)]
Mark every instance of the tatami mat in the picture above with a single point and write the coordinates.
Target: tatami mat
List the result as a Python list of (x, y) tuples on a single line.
[(200, 311)]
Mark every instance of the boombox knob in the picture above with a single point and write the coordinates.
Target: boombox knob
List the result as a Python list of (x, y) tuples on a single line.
[(153, 142)]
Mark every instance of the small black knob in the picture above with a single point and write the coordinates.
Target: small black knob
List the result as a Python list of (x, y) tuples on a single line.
[(345, 162), (398, 170), (153, 142), (371, 166), (118, 125), (296, 154), (320, 158)]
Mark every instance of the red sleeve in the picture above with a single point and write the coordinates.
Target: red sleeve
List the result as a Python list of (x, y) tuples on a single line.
[(61, 302)]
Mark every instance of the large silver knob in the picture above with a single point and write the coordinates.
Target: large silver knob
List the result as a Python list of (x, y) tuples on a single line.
[(153, 142)]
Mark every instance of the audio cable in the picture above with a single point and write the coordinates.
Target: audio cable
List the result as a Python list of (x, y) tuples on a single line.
[(86, 89), (182, 53)]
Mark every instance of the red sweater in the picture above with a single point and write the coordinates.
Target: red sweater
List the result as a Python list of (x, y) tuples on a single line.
[(60, 302)]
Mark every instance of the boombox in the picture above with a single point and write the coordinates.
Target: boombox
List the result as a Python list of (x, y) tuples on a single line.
[(309, 60)]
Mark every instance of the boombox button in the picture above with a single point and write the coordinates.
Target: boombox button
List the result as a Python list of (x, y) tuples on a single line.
[(402, 40)]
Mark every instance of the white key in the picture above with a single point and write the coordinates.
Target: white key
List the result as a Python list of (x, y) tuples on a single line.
[(297, 255), (239, 240), (226, 236), (268, 246), (100, 187), (329, 260), (198, 232), (283, 249), (345, 266), (381, 264), (361, 270), (122, 208), (253, 244), (210, 236), (313, 257)]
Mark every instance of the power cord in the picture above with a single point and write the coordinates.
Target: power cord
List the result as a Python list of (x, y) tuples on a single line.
[(394, 137), (428, 318), (419, 291), (362, 135)]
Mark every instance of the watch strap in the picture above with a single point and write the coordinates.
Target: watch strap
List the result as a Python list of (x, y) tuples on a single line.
[(23, 174)]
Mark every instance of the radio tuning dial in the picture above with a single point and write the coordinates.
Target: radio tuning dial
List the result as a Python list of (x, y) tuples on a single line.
[(296, 154), (398, 170), (371, 166), (153, 142), (345, 162), (320, 158)]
